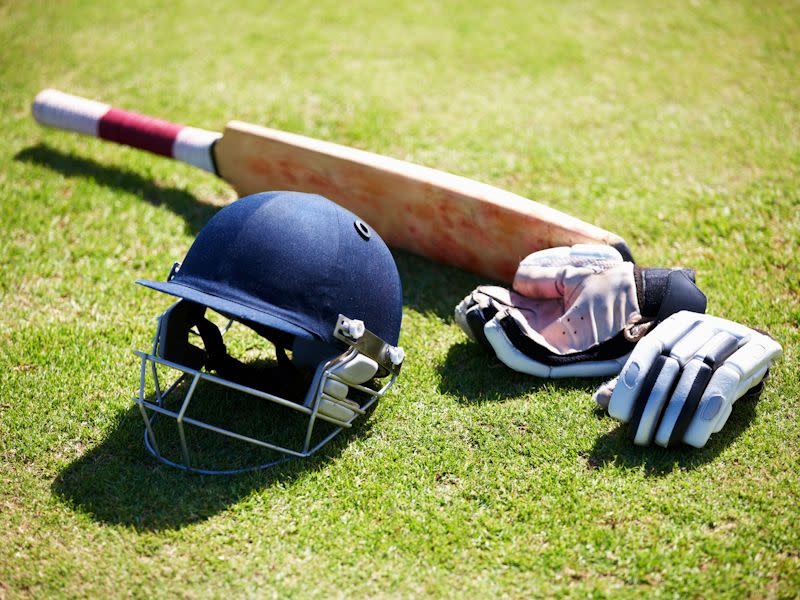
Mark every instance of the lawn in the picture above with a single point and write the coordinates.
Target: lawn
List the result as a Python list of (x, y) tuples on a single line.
[(676, 125)]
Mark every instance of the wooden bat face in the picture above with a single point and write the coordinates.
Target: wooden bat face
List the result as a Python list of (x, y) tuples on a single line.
[(444, 217), (447, 218)]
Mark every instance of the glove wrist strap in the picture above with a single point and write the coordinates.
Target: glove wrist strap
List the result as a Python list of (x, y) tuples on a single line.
[(663, 292)]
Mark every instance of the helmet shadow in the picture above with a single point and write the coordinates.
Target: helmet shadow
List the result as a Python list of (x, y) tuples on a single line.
[(118, 482)]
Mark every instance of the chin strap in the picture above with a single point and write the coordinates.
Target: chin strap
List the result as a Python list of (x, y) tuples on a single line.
[(290, 378), (285, 379)]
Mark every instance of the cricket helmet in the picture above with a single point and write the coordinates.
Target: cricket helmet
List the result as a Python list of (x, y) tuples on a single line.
[(295, 270)]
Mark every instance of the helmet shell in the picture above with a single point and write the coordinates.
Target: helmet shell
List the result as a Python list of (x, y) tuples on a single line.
[(291, 262)]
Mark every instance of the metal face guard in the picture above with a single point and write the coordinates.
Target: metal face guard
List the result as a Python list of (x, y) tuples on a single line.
[(319, 404)]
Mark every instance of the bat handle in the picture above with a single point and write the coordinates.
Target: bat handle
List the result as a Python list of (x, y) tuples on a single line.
[(81, 115)]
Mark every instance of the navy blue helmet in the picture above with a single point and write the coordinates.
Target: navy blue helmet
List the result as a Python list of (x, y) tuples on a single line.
[(291, 262), (307, 275)]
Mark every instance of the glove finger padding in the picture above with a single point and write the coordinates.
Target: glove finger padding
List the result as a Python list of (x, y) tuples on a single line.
[(574, 311), (681, 381)]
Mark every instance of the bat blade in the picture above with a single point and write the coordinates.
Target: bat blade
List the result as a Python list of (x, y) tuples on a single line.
[(445, 217)]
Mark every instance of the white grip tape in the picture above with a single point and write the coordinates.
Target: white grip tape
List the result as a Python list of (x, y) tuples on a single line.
[(193, 146), (65, 111)]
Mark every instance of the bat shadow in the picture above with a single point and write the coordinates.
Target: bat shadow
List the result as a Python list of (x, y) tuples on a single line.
[(428, 287), (118, 482), (196, 214), (616, 448)]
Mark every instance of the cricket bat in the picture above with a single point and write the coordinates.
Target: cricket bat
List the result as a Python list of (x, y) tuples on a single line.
[(445, 217)]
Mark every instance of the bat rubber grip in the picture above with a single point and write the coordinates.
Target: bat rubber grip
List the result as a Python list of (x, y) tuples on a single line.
[(81, 115)]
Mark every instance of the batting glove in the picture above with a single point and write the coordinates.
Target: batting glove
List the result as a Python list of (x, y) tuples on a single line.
[(682, 379), (574, 311)]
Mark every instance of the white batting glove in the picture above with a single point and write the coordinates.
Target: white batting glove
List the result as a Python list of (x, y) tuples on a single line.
[(680, 382)]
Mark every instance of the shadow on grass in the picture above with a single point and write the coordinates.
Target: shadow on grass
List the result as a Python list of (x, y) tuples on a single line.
[(427, 286), (119, 483), (196, 214), (469, 372), (617, 448), (433, 288), (473, 375)]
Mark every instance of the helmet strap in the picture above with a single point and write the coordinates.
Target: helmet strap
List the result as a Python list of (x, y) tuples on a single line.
[(284, 379)]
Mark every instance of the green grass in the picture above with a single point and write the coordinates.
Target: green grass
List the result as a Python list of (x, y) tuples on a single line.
[(676, 125)]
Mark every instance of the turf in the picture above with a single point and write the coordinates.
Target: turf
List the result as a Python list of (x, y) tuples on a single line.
[(676, 125)]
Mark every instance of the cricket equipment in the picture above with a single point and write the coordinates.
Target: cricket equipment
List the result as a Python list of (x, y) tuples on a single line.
[(574, 312), (681, 381), (306, 275), (438, 215)]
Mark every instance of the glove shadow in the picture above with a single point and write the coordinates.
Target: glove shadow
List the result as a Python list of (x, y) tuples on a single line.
[(616, 448), (472, 375)]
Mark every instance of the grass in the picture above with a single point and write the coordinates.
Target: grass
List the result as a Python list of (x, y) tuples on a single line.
[(676, 125)]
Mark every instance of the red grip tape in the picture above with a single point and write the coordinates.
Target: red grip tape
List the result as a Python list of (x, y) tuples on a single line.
[(139, 131)]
